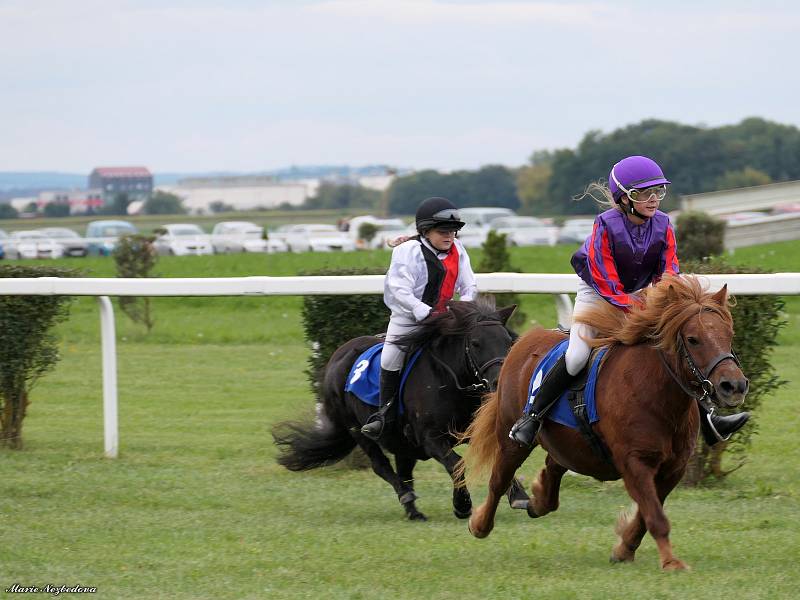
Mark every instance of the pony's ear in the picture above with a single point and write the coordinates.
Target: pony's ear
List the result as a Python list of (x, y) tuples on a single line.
[(721, 297), (672, 294), (505, 313)]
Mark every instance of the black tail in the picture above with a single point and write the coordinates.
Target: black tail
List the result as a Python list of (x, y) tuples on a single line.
[(304, 447)]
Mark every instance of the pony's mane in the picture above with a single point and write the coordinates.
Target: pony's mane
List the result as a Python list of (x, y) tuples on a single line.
[(657, 320), (460, 319)]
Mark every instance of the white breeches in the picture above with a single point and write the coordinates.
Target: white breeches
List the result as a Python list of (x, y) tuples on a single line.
[(578, 350), (392, 356)]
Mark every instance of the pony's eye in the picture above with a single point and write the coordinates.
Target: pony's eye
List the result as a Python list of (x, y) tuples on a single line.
[(693, 341)]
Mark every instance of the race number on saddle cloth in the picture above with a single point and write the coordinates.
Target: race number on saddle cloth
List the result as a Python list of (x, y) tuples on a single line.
[(561, 411), (364, 377)]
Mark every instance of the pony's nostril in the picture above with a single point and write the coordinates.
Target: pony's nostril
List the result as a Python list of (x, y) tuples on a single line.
[(727, 387)]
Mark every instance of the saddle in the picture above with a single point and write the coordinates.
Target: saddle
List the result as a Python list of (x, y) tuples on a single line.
[(363, 379), (576, 407)]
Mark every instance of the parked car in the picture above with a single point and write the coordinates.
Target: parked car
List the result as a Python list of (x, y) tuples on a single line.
[(182, 239), (312, 237), (476, 223), (3, 242), (243, 236), (31, 244), (575, 231), (72, 243), (102, 236), (524, 231)]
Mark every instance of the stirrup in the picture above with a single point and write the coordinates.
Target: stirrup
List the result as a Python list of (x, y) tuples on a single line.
[(524, 430), (374, 427)]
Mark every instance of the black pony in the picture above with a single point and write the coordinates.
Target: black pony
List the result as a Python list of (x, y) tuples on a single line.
[(463, 349)]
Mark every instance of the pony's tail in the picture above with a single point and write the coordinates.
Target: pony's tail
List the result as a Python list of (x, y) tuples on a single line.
[(481, 436), (303, 447)]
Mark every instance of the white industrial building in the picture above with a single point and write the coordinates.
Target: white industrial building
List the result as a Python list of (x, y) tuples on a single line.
[(243, 193)]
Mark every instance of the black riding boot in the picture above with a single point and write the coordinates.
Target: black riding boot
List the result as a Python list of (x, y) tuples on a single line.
[(378, 421), (555, 382), (716, 428)]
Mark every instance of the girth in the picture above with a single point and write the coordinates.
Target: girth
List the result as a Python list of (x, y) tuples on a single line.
[(577, 403)]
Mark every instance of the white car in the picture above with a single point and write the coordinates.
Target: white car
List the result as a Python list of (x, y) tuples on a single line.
[(243, 236), (31, 244), (476, 223), (71, 243), (182, 239), (524, 231), (318, 238), (575, 231)]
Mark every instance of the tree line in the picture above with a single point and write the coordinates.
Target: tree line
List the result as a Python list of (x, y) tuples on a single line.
[(695, 158)]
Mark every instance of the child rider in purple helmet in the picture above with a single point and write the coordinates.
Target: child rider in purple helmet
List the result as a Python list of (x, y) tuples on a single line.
[(632, 245)]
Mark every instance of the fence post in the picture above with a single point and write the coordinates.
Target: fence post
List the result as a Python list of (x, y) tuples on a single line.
[(109, 349)]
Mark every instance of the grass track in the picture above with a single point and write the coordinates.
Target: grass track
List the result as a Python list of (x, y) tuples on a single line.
[(195, 507)]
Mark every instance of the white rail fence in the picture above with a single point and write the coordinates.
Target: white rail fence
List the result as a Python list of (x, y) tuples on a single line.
[(781, 284)]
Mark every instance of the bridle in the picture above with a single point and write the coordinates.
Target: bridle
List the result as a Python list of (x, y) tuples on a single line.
[(701, 378), (477, 372)]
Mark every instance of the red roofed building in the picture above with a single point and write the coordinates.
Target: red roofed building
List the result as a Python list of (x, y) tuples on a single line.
[(136, 182)]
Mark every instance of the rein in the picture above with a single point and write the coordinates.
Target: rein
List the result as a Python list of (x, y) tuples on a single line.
[(482, 384), (700, 378)]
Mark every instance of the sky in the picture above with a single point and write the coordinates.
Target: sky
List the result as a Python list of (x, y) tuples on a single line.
[(245, 85)]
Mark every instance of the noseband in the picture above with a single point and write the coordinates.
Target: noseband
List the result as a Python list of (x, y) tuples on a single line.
[(481, 383), (701, 378)]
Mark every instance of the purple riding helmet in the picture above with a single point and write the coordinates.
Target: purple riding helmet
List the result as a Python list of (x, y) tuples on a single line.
[(634, 173)]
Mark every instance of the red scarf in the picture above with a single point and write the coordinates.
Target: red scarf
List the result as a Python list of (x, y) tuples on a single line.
[(450, 264)]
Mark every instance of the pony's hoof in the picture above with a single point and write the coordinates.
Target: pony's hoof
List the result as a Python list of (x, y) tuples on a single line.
[(615, 560), (417, 516), (462, 514), (477, 533), (532, 513), (675, 565)]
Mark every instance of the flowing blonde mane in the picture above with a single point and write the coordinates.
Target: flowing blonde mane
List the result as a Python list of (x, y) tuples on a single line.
[(664, 308)]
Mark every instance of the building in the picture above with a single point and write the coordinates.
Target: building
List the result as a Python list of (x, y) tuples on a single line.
[(80, 201), (757, 197), (136, 182), (240, 192)]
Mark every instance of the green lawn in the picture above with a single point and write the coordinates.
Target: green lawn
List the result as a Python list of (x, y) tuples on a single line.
[(196, 507)]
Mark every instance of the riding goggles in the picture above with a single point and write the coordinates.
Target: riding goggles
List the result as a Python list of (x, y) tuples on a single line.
[(655, 193)]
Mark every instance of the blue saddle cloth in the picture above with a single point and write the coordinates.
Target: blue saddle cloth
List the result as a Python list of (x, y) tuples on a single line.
[(364, 379), (561, 412)]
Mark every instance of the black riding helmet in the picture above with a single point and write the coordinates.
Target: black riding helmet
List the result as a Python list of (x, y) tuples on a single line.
[(438, 212)]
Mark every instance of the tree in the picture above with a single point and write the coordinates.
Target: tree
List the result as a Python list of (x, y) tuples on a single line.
[(135, 256), (331, 195), (743, 178), (218, 206), (695, 159), (164, 203), (8, 212), (496, 259), (700, 236), (28, 348), (56, 209), (492, 185), (367, 231), (118, 206), (532, 182)]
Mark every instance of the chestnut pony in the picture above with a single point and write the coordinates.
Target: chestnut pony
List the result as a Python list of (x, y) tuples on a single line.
[(663, 354)]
